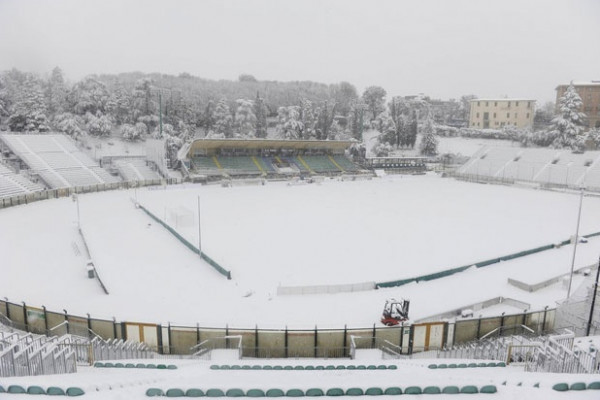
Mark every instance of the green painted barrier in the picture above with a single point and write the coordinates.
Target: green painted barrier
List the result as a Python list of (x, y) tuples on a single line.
[(190, 246), (479, 264)]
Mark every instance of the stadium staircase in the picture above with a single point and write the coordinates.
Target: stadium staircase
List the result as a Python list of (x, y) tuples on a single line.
[(26, 354)]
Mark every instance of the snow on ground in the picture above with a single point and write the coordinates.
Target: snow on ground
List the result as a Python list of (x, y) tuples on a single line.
[(276, 234)]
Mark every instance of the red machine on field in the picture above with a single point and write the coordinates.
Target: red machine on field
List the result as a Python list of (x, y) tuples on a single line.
[(395, 311)]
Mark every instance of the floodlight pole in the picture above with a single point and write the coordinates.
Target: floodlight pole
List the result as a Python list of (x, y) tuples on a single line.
[(589, 325), (199, 230), (575, 244), (78, 218)]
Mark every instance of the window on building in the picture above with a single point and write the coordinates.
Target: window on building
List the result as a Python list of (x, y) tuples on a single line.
[(517, 103), (477, 115), (495, 104), (528, 104), (478, 104), (486, 104), (516, 115), (509, 103), (507, 115), (527, 115), (494, 115)]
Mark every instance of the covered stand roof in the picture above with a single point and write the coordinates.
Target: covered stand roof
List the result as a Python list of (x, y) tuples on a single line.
[(211, 145)]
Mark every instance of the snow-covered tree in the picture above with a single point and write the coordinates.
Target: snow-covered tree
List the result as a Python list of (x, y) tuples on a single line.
[(133, 132), (223, 121), (260, 111), (56, 92), (308, 119), (356, 119), (98, 125), (568, 124), (374, 98), (120, 105), (245, 120), (88, 96), (593, 138), (429, 140), (69, 124), (289, 126), (28, 112), (385, 124)]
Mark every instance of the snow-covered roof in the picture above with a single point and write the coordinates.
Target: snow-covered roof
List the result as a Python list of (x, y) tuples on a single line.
[(502, 99), (581, 83)]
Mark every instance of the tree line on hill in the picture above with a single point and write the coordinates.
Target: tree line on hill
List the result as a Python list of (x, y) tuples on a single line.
[(178, 108)]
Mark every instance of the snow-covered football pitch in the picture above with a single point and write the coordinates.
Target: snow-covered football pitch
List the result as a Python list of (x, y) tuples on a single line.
[(281, 234)]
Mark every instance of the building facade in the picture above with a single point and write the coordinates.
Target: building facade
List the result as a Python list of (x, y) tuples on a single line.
[(497, 113), (590, 97)]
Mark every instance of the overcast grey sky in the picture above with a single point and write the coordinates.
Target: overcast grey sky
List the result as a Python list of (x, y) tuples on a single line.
[(443, 48)]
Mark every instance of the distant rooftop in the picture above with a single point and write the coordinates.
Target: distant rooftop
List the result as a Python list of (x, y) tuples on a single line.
[(581, 83), (502, 99)]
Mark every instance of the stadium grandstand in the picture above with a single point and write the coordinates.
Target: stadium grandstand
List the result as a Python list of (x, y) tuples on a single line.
[(54, 160), (135, 169), (545, 167), (217, 158), (12, 184)]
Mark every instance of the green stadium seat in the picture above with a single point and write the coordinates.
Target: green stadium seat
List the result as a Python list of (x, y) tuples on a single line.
[(492, 364), (2, 389), (256, 367), (246, 367), (501, 364), (278, 367), (462, 365), (371, 367), (482, 365), (432, 366), (234, 393), (175, 392), (74, 391), (560, 387), (214, 393), (225, 367), (361, 367), (255, 393), (151, 366), (275, 393), (488, 389), (288, 368), (109, 365), (294, 393), (537, 385), (314, 392), (442, 366), (55, 391), (161, 366), (171, 366), (432, 390), (355, 392), (319, 367), (452, 366), (392, 391), (382, 367), (577, 386), (374, 391), (16, 389), (351, 367), (236, 367), (119, 365), (99, 365), (472, 365), (392, 366), (299, 368), (451, 390), (334, 392), (340, 367), (309, 368), (413, 390), (35, 390), (469, 389), (267, 367), (153, 392), (140, 365), (194, 393), (594, 385), (330, 367), (129, 365)]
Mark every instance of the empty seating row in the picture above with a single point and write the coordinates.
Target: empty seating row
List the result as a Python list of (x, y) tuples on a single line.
[(302, 367), (36, 390), (131, 365), (318, 392), (135, 170), (320, 164), (13, 185), (470, 365), (563, 387)]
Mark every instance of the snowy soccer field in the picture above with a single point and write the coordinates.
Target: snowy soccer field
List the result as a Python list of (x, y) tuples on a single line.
[(287, 235)]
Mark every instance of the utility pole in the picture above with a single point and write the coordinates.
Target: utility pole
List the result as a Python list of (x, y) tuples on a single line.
[(575, 244), (589, 325)]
